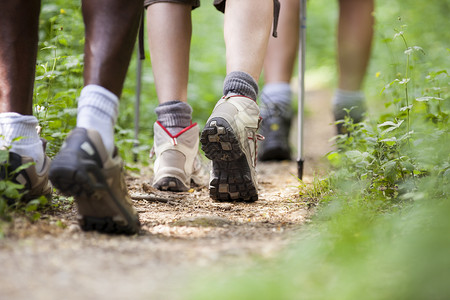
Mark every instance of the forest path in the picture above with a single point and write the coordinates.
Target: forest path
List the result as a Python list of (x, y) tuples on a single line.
[(182, 233)]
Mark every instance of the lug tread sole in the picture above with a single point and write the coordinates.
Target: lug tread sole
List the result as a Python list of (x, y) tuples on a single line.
[(231, 176), (85, 181), (170, 184)]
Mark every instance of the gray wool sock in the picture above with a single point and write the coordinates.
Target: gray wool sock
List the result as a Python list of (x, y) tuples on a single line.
[(240, 83), (276, 98), (174, 115), (348, 99)]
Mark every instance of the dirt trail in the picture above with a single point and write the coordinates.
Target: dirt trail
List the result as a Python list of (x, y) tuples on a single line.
[(182, 233)]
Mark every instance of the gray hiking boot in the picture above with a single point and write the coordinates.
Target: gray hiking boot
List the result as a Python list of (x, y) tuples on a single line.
[(356, 114), (275, 127), (35, 182), (229, 140), (177, 163), (84, 169), (348, 100)]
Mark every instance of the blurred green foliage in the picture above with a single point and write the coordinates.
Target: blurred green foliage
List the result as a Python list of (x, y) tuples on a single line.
[(381, 228)]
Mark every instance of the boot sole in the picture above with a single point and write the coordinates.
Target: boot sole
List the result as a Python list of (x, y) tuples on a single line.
[(275, 154), (231, 176), (170, 184), (85, 181)]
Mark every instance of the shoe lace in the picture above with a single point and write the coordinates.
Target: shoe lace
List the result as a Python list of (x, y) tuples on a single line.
[(255, 137), (152, 152)]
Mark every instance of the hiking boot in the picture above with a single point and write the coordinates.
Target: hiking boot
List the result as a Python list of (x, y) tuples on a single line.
[(177, 164), (36, 183), (229, 140), (84, 169), (349, 104), (356, 114), (275, 127)]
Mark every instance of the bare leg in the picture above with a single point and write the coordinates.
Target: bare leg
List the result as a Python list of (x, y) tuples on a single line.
[(276, 95), (282, 51), (111, 28), (169, 34), (18, 49), (247, 32), (354, 42)]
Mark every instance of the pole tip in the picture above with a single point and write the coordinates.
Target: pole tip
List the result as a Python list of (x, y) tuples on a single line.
[(300, 168)]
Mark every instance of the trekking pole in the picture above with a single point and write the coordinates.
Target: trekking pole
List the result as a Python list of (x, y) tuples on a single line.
[(301, 90), (137, 105)]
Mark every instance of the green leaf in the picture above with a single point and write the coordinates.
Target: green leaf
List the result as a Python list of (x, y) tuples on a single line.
[(390, 141), (2, 185), (36, 216), (392, 126), (388, 85), (400, 33), (404, 81), (408, 166), (428, 98), (418, 49), (390, 170), (32, 207), (4, 156), (17, 139), (60, 224), (22, 167), (404, 108), (11, 192)]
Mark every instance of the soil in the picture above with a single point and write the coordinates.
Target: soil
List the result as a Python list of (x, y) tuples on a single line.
[(181, 233)]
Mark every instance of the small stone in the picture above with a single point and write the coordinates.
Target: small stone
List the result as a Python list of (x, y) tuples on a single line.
[(74, 228)]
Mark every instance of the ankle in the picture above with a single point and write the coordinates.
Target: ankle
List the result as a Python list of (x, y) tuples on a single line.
[(343, 98), (174, 115), (98, 110), (19, 133), (276, 96), (240, 83)]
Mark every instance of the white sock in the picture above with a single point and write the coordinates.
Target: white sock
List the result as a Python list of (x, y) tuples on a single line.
[(14, 125), (98, 109)]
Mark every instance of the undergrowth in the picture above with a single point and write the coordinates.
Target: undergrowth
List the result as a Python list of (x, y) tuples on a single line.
[(381, 226)]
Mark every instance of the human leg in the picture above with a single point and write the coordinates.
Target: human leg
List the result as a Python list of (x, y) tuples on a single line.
[(355, 32), (86, 167), (229, 137), (282, 51), (18, 53), (276, 96), (247, 30), (111, 28), (169, 34), (18, 50), (175, 137)]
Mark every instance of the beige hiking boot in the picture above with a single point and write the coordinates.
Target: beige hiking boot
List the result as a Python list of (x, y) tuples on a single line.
[(229, 140), (177, 163)]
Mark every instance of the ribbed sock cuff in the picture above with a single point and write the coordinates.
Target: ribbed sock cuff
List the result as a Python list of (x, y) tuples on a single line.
[(346, 100), (174, 114), (343, 97), (99, 100), (276, 95), (14, 125), (240, 83)]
